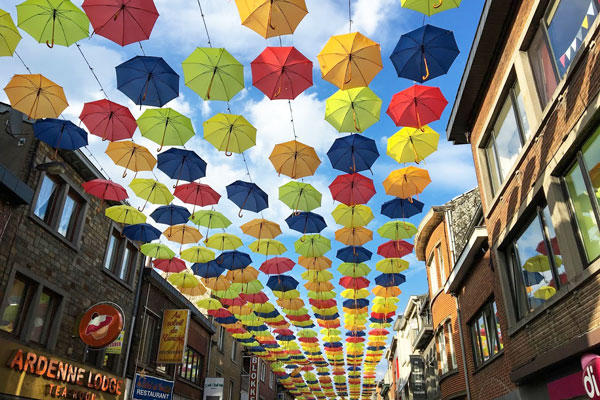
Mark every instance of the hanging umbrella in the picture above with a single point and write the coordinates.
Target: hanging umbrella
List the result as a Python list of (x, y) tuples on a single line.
[(352, 189), (312, 246), (125, 215), (151, 191), (271, 18), (319, 286), (229, 133), (353, 153), (171, 215), (256, 298), (157, 250), (350, 60), (353, 294), (540, 263), (247, 196), (244, 275), (282, 283), (277, 265), (352, 216), (108, 120), (425, 53), (315, 263), (417, 106), (281, 72), (233, 260), (250, 287), (9, 35), (105, 190), (213, 73), (131, 156), (396, 230), (182, 164), (210, 269), (261, 228), (429, 7), (60, 134), (354, 269), (182, 234), (401, 208), (197, 194), (166, 127), (354, 254), (544, 292), (291, 304), (169, 265), (36, 96), (356, 236), (210, 219), (209, 304), (353, 110), (148, 81), (218, 283), (390, 279), (412, 144), (392, 291), (197, 254), (268, 247), (406, 182), (300, 196), (306, 222), (392, 265), (223, 241), (141, 232), (317, 276), (183, 279), (294, 159)]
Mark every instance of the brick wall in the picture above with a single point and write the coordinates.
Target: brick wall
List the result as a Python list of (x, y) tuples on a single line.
[(231, 371)]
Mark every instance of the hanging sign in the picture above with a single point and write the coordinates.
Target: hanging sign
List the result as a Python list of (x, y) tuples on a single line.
[(116, 346), (253, 392), (150, 388), (173, 336), (213, 388), (101, 325)]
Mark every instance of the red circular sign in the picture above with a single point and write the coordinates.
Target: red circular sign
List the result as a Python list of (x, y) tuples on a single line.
[(101, 325)]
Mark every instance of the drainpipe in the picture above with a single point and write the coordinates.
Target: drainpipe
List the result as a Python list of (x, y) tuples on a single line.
[(138, 292), (462, 346)]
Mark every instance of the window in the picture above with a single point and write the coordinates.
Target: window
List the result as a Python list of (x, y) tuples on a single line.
[(442, 271), (561, 33), (263, 371), (583, 185), (443, 355), (508, 135), (234, 350), (230, 390), (221, 339), (191, 369), (536, 270), (433, 271), (271, 380), (145, 354), (485, 334), (448, 328), (121, 256)]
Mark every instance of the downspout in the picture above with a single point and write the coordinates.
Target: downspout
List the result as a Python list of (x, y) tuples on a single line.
[(462, 347), (138, 293)]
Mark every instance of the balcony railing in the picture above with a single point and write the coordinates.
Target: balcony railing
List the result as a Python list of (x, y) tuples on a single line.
[(425, 332)]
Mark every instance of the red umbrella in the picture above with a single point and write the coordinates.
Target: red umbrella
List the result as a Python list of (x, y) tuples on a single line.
[(355, 340), (277, 265), (256, 298), (382, 315), (220, 313), (323, 303), (278, 323), (169, 266), (122, 21), (417, 106), (281, 72), (197, 194), (541, 247), (307, 368), (233, 302), (308, 339), (236, 330), (109, 120), (352, 189), (354, 283), (379, 332), (299, 318), (395, 249), (283, 331), (105, 190)]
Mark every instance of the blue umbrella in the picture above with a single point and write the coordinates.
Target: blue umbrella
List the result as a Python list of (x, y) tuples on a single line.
[(226, 320), (247, 196), (249, 340), (256, 349), (141, 232), (389, 280), (256, 328), (285, 338), (234, 260), (181, 164), (353, 368), (327, 317), (531, 278), (425, 53), (148, 81), (271, 314), (306, 222), (355, 303), (356, 333), (282, 283), (401, 208), (171, 215), (353, 153), (380, 320), (270, 345), (354, 254), (333, 345), (60, 134), (208, 269)]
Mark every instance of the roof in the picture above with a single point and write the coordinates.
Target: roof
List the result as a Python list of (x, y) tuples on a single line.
[(466, 259), (428, 224)]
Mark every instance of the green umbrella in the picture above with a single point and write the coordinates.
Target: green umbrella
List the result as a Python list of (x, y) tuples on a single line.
[(268, 247), (430, 7), (352, 216), (312, 245), (198, 254), (300, 311), (123, 214), (397, 230), (320, 295), (230, 293), (307, 333), (224, 241), (210, 219), (53, 21), (213, 73), (353, 110), (9, 34), (317, 276), (229, 133), (354, 269), (391, 265), (251, 287), (300, 196), (151, 191), (540, 263), (166, 127), (157, 250)]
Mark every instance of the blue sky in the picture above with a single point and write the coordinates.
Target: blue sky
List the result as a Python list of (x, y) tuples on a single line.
[(179, 31)]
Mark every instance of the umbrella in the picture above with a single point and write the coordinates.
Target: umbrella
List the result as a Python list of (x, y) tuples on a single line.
[(243, 275), (281, 72), (294, 159), (395, 249), (247, 196), (197, 254), (105, 190), (166, 127), (300, 196), (428, 7), (210, 219), (390, 279), (53, 21), (261, 228), (315, 263), (169, 265), (218, 283), (230, 293), (352, 216), (268, 247), (210, 269), (417, 106), (36, 96), (401, 208), (141, 232), (271, 18), (291, 304), (356, 236), (209, 304), (353, 153), (250, 287), (229, 133), (543, 249), (353, 110), (396, 230), (9, 34), (60, 134), (151, 191), (108, 120), (282, 283), (197, 194), (352, 189), (312, 246), (381, 291), (350, 60), (544, 292), (406, 182), (277, 265), (148, 81), (425, 53), (317, 276), (233, 260), (355, 304), (353, 294), (540, 263), (412, 144), (354, 269), (125, 215), (182, 234), (182, 164), (171, 214), (223, 241), (157, 250), (131, 156), (256, 298), (183, 279), (354, 254), (391, 265), (306, 222), (319, 286), (213, 73)]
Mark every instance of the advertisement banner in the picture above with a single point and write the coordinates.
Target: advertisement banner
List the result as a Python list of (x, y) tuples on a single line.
[(213, 388), (150, 388), (116, 346), (253, 392), (173, 337)]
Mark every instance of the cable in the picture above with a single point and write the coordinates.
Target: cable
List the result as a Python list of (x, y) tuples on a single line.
[(92, 70), (292, 120), (350, 15), (204, 22), (142, 48), (22, 62)]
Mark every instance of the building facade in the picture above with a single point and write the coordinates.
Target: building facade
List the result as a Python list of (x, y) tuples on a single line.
[(226, 361)]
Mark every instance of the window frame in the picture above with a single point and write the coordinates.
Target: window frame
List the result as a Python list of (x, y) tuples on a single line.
[(234, 350), (148, 348), (453, 364), (197, 361), (221, 339), (433, 273), (440, 338), (440, 264), (485, 312), (117, 255), (263, 371)]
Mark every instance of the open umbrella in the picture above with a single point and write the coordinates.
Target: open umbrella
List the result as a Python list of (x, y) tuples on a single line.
[(233, 260), (36, 96), (60, 134), (353, 110), (312, 246), (218, 283), (148, 81), (141, 232), (131, 156), (183, 279), (300, 196), (392, 265), (210, 269), (261, 228), (354, 269), (169, 265), (540, 263), (125, 215), (282, 283), (182, 234), (268, 247), (392, 291), (157, 250), (166, 127), (353, 153), (352, 189), (197, 254), (315, 263), (229, 133), (406, 182), (171, 215), (354, 236), (390, 279), (277, 265), (213, 73), (197, 194), (9, 35), (306, 222), (223, 241), (105, 190), (350, 60), (417, 106), (151, 191), (412, 144), (210, 219), (401, 208), (271, 18), (281, 72), (247, 196), (317, 276), (352, 216), (395, 249), (429, 7), (294, 159), (108, 120), (182, 164), (354, 254), (397, 230)]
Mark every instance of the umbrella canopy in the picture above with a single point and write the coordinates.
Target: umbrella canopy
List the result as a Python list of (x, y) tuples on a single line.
[(352, 216), (315, 263), (36, 96), (356, 236), (392, 291), (183, 234), (171, 215), (169, 265), (210, 269), (428, 7), (157, 250), (271, 18), (397, 230), (425, 53), (353, 110), (223, 241), (540, 263), (210, 219), (197, 254), (294, 159), (392, 265), (60, 134), (9, 35), (229, 133), (247, 196), (125, 215), (306, 222), (108, 120), (417, 106), (300, 196), (317, 276), (182, 164), (243, 275), (166, 127), (197, 194), (353, 153), (218, 283), (209, 304), (352, 189), (312, 246), (148, 81), (282, 283), (354, 269), (183, 280), (213, 73), (350, 60), (131, 156), (261, 228), (281, 72), (412, 144), (406, 182), (401, 208), (141, 232), (151, 191), (354, 254), (390, 279), (268, 247), (233, 260), (105, 189)]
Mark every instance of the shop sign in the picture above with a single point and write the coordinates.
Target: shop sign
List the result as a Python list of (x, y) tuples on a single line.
[(34, 374), (101, 325), (116, 346), (417, 378), (150, 388), (590, 363), (213, 388), (253, 392), (173, 336)]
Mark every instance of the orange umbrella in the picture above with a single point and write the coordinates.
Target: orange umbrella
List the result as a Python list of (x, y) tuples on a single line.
[(406, 182), (393, 291), (261, 228), (294, 159), (131, 156), (183, 234), (219, 283), (242, 275), (291, 304), (36, 96), (354, 236), (271, 18), (315, 263), (319, 286)]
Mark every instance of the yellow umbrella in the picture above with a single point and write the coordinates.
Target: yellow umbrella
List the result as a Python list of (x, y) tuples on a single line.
[(183, 234), (352, 216), (242, 275), (290, 294), (197, 290), (268, 247), (263, 307), (381, 308), (294, 159), (261, 228), (391, 265), (406, 182), (223, 241), (317, 276), (151, 191), (131, 156), (291, 304), (271, 18), (209, 304), (9, 35), (217, 283), (356, 236), (125, 215), (241, 310), (397, 230), (350, 60), (315, 263), (229, 133), (430, 7), (198, 254), (392, 291), (355, 294), (355, 310), (185, 279), (412, 144), (36, 96), (385, 300)]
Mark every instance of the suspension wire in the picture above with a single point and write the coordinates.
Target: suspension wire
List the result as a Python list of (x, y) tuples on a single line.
[(350, 15), (92, 70), (292, 120), (204, 22), (22, 62), (142, 48)]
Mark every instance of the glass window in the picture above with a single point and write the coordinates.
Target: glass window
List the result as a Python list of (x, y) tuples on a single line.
[(234, 350), (221, 340), (271, 380), (485, 334), (43, 316), (191, 369), (15, 310), (111, 250), (441, 342), (263, 371), (433, 271), (230, 390), (121, 256), (442, 271), (46, 199), (453, 364), (147, 339), (68, 218)]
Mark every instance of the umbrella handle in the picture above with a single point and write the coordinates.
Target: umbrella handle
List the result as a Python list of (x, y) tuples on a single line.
[(348, 70), (438, 5), (227, 152), (50, 43), (425, 59)]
